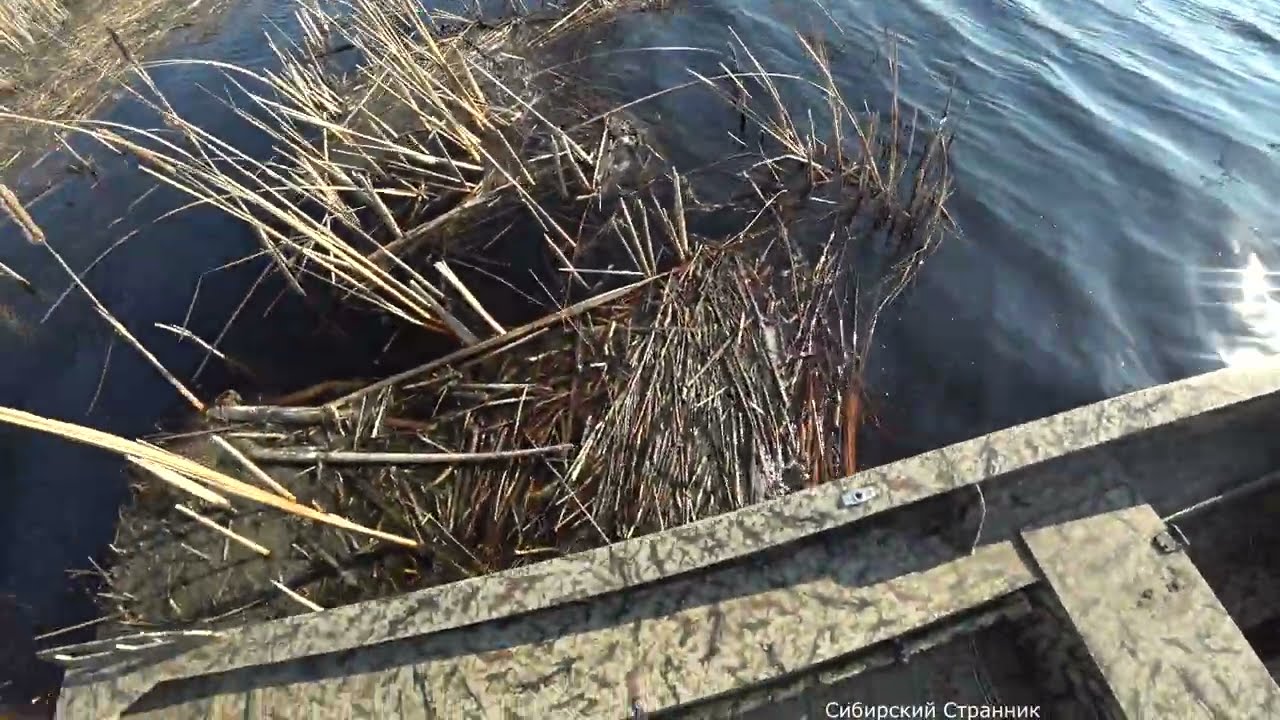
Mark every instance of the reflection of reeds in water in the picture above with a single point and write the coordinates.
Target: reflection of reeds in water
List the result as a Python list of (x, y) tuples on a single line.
[(687, 358), (23, 22)]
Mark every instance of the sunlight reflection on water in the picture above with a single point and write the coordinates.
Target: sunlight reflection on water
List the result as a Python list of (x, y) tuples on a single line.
[(1258, 312)]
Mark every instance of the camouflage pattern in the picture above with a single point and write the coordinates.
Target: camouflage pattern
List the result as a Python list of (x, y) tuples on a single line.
[(775, 610), (943, 661), (1068, 683), (1166, 645), (659, 648), (1234, 546)]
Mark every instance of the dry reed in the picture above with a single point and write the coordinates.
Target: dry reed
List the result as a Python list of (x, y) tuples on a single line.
[(24, 22), (687, 358), (58, 61)]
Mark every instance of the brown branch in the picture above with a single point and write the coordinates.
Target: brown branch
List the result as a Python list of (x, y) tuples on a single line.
[(851, 420)]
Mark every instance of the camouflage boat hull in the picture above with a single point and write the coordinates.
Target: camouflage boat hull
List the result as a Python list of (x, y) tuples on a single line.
[(1057, 529)]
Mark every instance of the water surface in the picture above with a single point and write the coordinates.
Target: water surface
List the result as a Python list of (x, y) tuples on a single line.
[(1116, 169)]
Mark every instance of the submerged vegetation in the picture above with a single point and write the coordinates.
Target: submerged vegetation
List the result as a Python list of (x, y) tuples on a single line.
[(655, 348)]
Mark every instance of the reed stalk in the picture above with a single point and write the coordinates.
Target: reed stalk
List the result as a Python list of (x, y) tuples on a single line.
[(679, 358)]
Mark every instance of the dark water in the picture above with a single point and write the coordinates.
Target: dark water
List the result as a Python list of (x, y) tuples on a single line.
[(1116, 167), (58, 502), (1116, 172)]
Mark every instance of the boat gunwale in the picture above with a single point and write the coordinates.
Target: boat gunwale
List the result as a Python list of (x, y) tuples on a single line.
[(108, 691)]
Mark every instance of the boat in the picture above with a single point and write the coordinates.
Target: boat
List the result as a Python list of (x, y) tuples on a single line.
[(1107, 561)]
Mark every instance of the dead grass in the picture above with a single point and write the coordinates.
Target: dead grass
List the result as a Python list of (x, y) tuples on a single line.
[(62, 64), (683, 358), (24, 22)]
